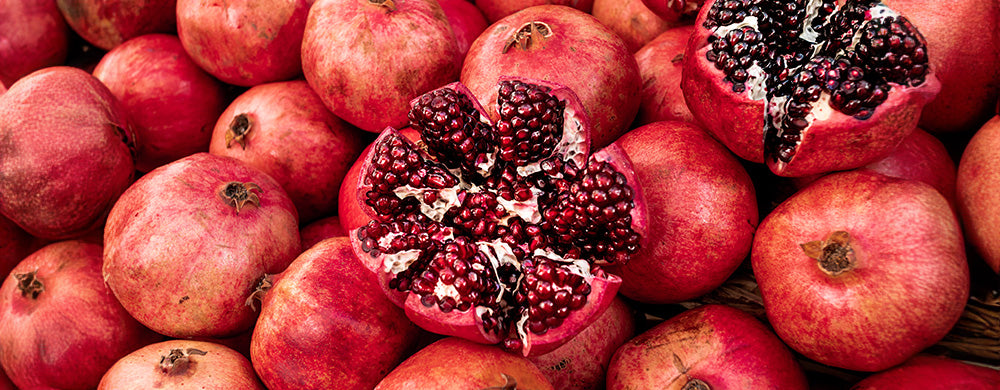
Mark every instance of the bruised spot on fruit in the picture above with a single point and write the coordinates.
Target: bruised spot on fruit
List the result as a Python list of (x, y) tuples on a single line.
[(183, 299), (263, 286), (238, 194), (29, 285), (562, 365), (238, 129), (528, 35), (178, 362), (509, 384), (835, 255), (389, 5)]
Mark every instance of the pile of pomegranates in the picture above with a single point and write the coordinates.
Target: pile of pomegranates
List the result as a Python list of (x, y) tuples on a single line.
[(500, 194)]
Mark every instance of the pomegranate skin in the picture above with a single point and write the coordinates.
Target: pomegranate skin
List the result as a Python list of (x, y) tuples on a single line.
[(73, 330), (455, 363), (15, 245), (499, 9), (978, 172), (467, 22), (33, 35), (660, 64), (722, 347), (320, 230), (244, 42), (171, 101), (929, 372), (326, 323), (63, 162), (107, 24), (219, 368), (699, 196), (581, 54), (210, 254), (860, 270), (632, 21), (292, 137)]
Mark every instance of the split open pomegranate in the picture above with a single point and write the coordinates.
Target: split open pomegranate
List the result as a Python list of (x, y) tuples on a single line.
[(496, 232)]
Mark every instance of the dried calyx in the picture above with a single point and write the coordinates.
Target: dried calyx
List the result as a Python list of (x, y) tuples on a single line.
[(179, 361), (29, 285), (238, 195)]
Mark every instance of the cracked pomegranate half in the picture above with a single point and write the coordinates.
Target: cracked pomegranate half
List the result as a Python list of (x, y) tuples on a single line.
[(807, 86), (496, 232)]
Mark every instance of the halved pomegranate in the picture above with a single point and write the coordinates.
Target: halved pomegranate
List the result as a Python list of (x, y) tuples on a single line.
[(496, 232)]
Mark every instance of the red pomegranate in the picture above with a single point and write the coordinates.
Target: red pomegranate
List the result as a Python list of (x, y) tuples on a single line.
[(171, 101), (66, 155), (188, 243), (284, 130), (454, 363), (561, 45), (320, 230), (368, 59), (497, 231), (326, 323), (660, 64), (929, 372), (708, 347), (60, 326), (244, 42), (182, 364), (860, 270), (671, 9), (632, 21), (15, 245), (107, 24), (839, 87), (499, 9), (33, 35), (705, 210), (349, 210), (466, 20), (978, 199)]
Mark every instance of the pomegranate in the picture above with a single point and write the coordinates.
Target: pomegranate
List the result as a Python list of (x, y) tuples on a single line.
[(188, 243), (182, 364), (708, 347), (15, 245), (107, 24), (244, 42), (839, 87), (671, 9), (860, 270), (284, 130), (931, 372), (349, 209), (66, 154), (320, 230), (705, 207), (496, 232), (632, 21), (561, 45), (368, 58), (466, 20), (171, 101), (454, 363), (582, 362), (978, 172), (499, 9), (60, 326), (352, 336), (33, 35), (660, 64)]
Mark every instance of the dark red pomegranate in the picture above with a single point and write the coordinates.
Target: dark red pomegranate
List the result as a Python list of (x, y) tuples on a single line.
[(350, 211), (15, 245), (499, 9), (860, 270), (66, 153), (454, 363), (660, 64), (320, 230), (929, 372), (33, 35), (632, 21), (708, 347), (244, 42), (107, 24), (173, 104), (60, 326), (561, 45), (978, 194), (368, 58), (182, 364), (838, 87), (705, 207), (496, 231), (353, 335), (671, 9), (466, 20), (284, 130), (189, 242)]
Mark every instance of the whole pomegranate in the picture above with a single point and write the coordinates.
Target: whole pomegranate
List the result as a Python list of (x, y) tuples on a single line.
[(244, 42), (284, 130), (978, 199), (631, 21), (171, 101), (838, 86), (188, 243), (466, 20), (454, 363), (33, 35), (368, 58), (671, 9), (60, 326), (496, 231), (182, 364), (561, 45), (708, 347), (705, 207), (320, 230), (107, 24), (660, 64), (499, 9), (860, 270), (66, 152), (929, 372), (353, 336)]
